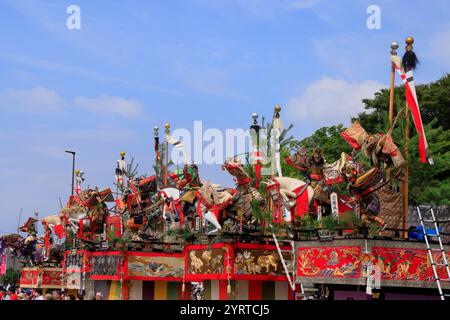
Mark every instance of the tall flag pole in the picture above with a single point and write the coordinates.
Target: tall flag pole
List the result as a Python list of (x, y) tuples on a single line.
[(409, 63), (156, 137), (179, 145), (405, 68), (406, 173), (167, 132), (277, 127), (256, 151), (158, 164), (394, 47)]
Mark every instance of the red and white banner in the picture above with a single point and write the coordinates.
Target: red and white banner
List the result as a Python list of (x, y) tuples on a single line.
[(411, 100)]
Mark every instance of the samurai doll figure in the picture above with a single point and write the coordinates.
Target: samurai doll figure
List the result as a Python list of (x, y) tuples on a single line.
[(191, 184), (311, 167), (362, 185), (300, 161), (317, 164)]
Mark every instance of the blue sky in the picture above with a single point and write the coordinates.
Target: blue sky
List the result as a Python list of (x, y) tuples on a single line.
[(139, 64)]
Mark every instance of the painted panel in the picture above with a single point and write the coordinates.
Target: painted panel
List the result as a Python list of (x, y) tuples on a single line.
[(29, 278), (259, 262), (106, 266), (154, 266), (203, 262), (76, 261), (329, 262), (407, 264)]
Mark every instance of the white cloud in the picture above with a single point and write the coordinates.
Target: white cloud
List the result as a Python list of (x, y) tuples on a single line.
[(110, 105), (40, 99), (331, 101), (36, 100)]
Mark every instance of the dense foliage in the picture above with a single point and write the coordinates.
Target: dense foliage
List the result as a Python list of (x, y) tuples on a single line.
[(10, 278)]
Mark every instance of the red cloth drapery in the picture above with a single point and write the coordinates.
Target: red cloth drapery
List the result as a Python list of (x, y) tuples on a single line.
[(301, 203)]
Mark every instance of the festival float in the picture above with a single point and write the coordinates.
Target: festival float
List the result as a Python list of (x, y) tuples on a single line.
[(174, 236)]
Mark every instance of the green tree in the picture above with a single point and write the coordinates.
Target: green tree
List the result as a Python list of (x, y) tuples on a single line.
[(328, 138), (11, 277), (430, 184), (434, 100)]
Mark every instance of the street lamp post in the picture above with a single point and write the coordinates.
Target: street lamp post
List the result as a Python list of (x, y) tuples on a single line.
[(73, 168)]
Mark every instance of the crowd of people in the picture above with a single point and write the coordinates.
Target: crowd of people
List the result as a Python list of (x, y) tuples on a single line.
[(36, 294)]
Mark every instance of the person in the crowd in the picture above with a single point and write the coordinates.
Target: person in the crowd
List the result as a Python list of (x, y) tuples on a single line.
[(56, 295), (38, 296), (71, 297), (12, 294), (6, 296), (48, 296), (99, 296)]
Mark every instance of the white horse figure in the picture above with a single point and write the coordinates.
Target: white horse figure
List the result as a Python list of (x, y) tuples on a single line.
[(50, 222), (71, 215), (289, 190), (74, 215), (172, 195)]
